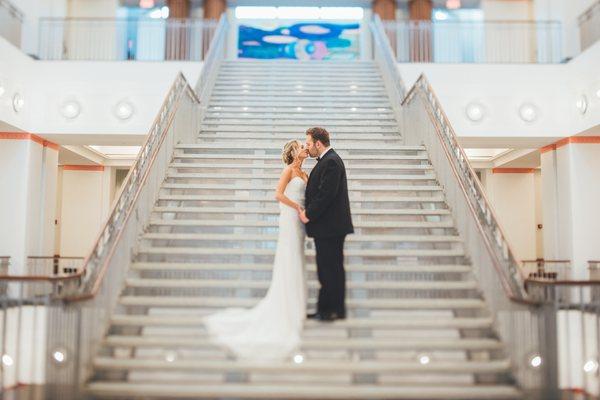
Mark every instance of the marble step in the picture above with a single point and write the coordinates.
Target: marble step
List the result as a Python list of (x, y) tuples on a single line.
[(273, 223), (266, 102), (275, 211), (265, 238), (349, 323), (291, 91), (247, 115), (302, 391), (299, 129), (310, 266), (424, 344), (419, 168), (308, 366), (264, 284), (308, 87), (331, 124), (348, 158), (401, 150), (308, 111), (223, 302), (355, 200), (275, 177)]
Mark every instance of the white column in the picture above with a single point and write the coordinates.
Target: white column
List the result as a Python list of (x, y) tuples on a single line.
[(571, 193), (28, 173), (512, 193), (85, 202)]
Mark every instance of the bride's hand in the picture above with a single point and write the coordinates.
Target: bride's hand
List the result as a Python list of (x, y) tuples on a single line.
[(299, 208)]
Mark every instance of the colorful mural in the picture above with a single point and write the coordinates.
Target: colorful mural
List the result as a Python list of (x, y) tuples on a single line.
[(301, 41)]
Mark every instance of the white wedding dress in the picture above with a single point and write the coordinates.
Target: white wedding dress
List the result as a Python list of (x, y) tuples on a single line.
[(271, 329)]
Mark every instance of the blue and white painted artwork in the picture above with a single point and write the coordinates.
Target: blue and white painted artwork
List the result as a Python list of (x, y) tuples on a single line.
[(301, 41)]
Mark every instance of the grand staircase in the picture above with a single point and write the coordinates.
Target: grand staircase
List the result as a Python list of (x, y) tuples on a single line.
[(417, 327)]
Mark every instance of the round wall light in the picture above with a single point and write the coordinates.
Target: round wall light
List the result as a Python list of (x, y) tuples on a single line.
[(598, 93), (59, 356), (124, 110), (2, 88), (18, 102), (70, 109), (535, 361), (590, 366), (582, 104), (528, 112), (475, 111)]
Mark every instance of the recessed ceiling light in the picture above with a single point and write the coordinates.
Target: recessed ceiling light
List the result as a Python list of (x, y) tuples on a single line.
[(528, 112)]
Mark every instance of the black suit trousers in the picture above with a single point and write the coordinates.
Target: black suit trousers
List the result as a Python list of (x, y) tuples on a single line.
[(331, 274)]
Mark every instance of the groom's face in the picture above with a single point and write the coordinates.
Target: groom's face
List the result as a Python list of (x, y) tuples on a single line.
[(311, 147)]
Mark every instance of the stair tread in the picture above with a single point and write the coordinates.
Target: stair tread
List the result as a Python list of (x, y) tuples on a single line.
[(403, 304), (355, 177), (369, 323), (260, 223), (266, 237), (347, 343), (307, 365), (304, 391), (352, 186), (170, 265), (248, 166), (264, 284), (278, 156), (275, 210), (353, 199)]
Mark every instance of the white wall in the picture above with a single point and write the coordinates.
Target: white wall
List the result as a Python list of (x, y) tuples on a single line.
[(33, 10), (502, 89), (92, 8), (27, 206), (85, 204), (566, 12), (513, 196), (97, 86), (507, 10)]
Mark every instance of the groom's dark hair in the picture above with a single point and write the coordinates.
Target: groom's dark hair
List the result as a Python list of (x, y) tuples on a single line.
[(319, 134)]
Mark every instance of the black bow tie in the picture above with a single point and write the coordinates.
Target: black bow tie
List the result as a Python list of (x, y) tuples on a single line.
[(318, 159)]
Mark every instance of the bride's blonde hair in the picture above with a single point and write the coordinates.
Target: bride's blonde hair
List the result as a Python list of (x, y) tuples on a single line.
[(288, 151)]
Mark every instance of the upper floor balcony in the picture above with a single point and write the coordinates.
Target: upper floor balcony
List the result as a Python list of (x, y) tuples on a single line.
[(465, 35)]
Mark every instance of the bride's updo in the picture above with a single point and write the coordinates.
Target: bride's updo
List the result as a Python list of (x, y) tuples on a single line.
[(289, 152)]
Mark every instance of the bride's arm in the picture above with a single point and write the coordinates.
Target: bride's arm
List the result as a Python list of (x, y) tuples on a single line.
[(284, 179)]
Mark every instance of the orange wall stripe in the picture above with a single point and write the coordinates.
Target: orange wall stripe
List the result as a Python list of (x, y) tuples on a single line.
[(548, 148), (83, 167), (28, 136), (513, 170), (571, 140)]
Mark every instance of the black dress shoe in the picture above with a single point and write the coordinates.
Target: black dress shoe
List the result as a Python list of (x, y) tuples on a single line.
[(338, 315), (313, 315), (326, 317)]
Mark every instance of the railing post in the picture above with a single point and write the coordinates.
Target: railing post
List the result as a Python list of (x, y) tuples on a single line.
[(548, 338)]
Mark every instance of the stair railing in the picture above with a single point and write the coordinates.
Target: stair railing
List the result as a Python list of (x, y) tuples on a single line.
[(528, 328), (589, 26), (212, 61), (11, 22), (79, 319)]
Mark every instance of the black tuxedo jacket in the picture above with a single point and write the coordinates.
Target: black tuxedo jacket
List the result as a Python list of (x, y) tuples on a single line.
[(326, 201)]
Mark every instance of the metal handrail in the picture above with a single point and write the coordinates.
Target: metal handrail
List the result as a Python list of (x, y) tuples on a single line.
[(489, 41), (95, 264), (505, 262), (15, 12), (589, 12), (589, 25), (212, 59)]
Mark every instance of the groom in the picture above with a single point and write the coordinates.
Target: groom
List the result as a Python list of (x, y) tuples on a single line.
[(328, 221)]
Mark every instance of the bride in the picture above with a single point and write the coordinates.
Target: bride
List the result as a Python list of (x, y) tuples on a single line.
[(271, 329)]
